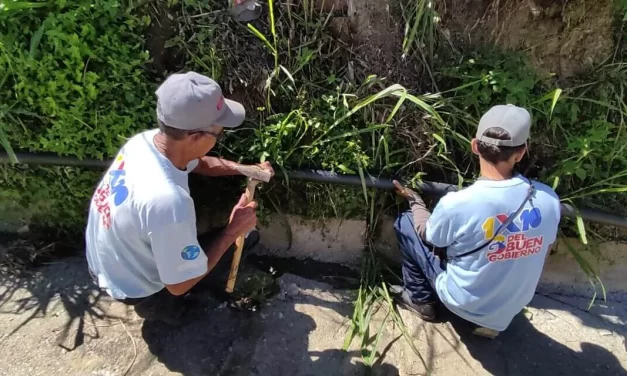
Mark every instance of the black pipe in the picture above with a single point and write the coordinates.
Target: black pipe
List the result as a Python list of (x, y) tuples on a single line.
[(329, 177), (43, 159), (326, 177), (440, 189)]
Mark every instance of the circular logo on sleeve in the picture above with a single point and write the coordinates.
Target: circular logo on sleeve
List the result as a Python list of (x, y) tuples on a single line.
[(190, 252)]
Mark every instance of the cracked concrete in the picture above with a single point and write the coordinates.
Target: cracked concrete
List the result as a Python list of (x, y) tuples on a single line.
[(56, 322)]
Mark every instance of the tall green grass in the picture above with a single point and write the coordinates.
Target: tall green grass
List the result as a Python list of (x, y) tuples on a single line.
[(374, 302)]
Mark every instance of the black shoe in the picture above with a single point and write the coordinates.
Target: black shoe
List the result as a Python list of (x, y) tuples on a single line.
[(425, 311), (166, 309)]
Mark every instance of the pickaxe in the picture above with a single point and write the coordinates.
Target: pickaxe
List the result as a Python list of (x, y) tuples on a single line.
[(255, 175)]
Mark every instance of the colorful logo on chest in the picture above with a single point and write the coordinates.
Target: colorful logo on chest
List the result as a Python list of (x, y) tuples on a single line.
[(513, 243), (190, 252)]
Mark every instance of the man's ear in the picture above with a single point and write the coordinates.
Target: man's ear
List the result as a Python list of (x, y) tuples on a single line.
[(196, 136), (521, 154), (473, 146)]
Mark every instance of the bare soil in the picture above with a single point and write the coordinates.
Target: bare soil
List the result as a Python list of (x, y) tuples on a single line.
[(559, 36)]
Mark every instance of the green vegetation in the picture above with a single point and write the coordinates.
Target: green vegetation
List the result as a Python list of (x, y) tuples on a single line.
[(78, 77), (74, 82)]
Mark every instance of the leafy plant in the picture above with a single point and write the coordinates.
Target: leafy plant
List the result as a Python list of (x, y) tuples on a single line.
[(74, 82)]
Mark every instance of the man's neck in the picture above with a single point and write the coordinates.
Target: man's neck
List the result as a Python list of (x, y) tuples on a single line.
[(501, 171), (171, 150)]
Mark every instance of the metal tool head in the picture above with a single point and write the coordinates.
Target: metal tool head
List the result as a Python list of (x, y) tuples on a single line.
[(255, 173)]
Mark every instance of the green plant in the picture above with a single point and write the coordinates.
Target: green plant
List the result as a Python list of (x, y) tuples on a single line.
[(74, 77), (73, 83), (374, 296), (421, 20), (591, 165), (51, 198)]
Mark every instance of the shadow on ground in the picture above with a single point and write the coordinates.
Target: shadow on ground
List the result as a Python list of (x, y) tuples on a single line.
[(298, 335), (523, 350), (272, 341), (36, 292)]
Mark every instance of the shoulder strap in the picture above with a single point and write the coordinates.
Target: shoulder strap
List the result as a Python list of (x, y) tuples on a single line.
[(503, 226)]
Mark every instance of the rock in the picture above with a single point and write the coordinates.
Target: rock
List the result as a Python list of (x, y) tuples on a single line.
[(23, 230), (288, 289)]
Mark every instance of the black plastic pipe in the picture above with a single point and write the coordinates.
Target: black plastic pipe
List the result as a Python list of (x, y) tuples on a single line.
[(326, 177), (440, 189), (54, 160)]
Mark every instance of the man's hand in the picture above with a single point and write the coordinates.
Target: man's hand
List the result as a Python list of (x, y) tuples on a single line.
[(404, 192), (266, 166), (243, 217)]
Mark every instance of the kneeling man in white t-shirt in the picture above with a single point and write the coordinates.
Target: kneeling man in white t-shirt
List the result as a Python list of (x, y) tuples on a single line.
[(497, 233), (141, 240)]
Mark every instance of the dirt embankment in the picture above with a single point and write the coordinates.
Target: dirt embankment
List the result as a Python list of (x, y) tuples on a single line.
[(559, 36)]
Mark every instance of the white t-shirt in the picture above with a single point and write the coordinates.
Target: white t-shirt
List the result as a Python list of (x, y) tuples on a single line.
[(493, 285), (141, 232)]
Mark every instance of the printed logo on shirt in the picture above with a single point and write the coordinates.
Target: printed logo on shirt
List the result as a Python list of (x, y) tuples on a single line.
[(190, 252), (513, 242), (113, 184)]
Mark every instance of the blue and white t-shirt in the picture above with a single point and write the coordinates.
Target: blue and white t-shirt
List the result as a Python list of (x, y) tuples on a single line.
[(141, 231), (491, 286)]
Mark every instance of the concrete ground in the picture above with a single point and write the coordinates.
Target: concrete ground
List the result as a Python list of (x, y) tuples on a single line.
[(54, 322)]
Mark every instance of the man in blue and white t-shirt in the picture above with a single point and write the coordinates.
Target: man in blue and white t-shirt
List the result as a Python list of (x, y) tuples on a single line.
[(141, 242), (493, 261)]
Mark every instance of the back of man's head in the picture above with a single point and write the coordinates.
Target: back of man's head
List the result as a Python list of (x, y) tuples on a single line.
[(192, 102), (502, 133)]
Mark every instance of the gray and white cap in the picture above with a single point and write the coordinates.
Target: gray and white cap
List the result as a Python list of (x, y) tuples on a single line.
[(514, 120), (193, 102)]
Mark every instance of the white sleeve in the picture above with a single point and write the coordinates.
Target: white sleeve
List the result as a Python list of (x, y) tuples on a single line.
[(441, 225), (191, 166), (171, 227), (177, 253)]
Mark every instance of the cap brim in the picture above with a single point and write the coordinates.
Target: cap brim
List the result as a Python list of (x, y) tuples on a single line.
[(233, 115)]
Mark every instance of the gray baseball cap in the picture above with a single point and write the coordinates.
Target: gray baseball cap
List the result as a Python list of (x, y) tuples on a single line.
[(190, 101), (514, 120)]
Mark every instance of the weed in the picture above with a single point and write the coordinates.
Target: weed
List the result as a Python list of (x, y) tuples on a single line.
[(373, 297), (73, 83), (421, 21)]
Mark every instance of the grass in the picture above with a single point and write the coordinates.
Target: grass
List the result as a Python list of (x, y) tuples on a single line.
[(310, 106), (374, 303), (420, 36)]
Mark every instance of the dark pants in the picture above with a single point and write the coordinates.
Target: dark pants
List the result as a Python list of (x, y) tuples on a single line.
[(420, 265)]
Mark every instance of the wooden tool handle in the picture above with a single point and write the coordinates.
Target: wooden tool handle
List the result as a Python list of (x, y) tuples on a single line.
[(239, 243)]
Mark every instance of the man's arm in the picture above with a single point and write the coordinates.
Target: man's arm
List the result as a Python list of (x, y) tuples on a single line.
[(419, 210), (214, 166), (435, 228), (420, 213), (180, 260), (214, 253)]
